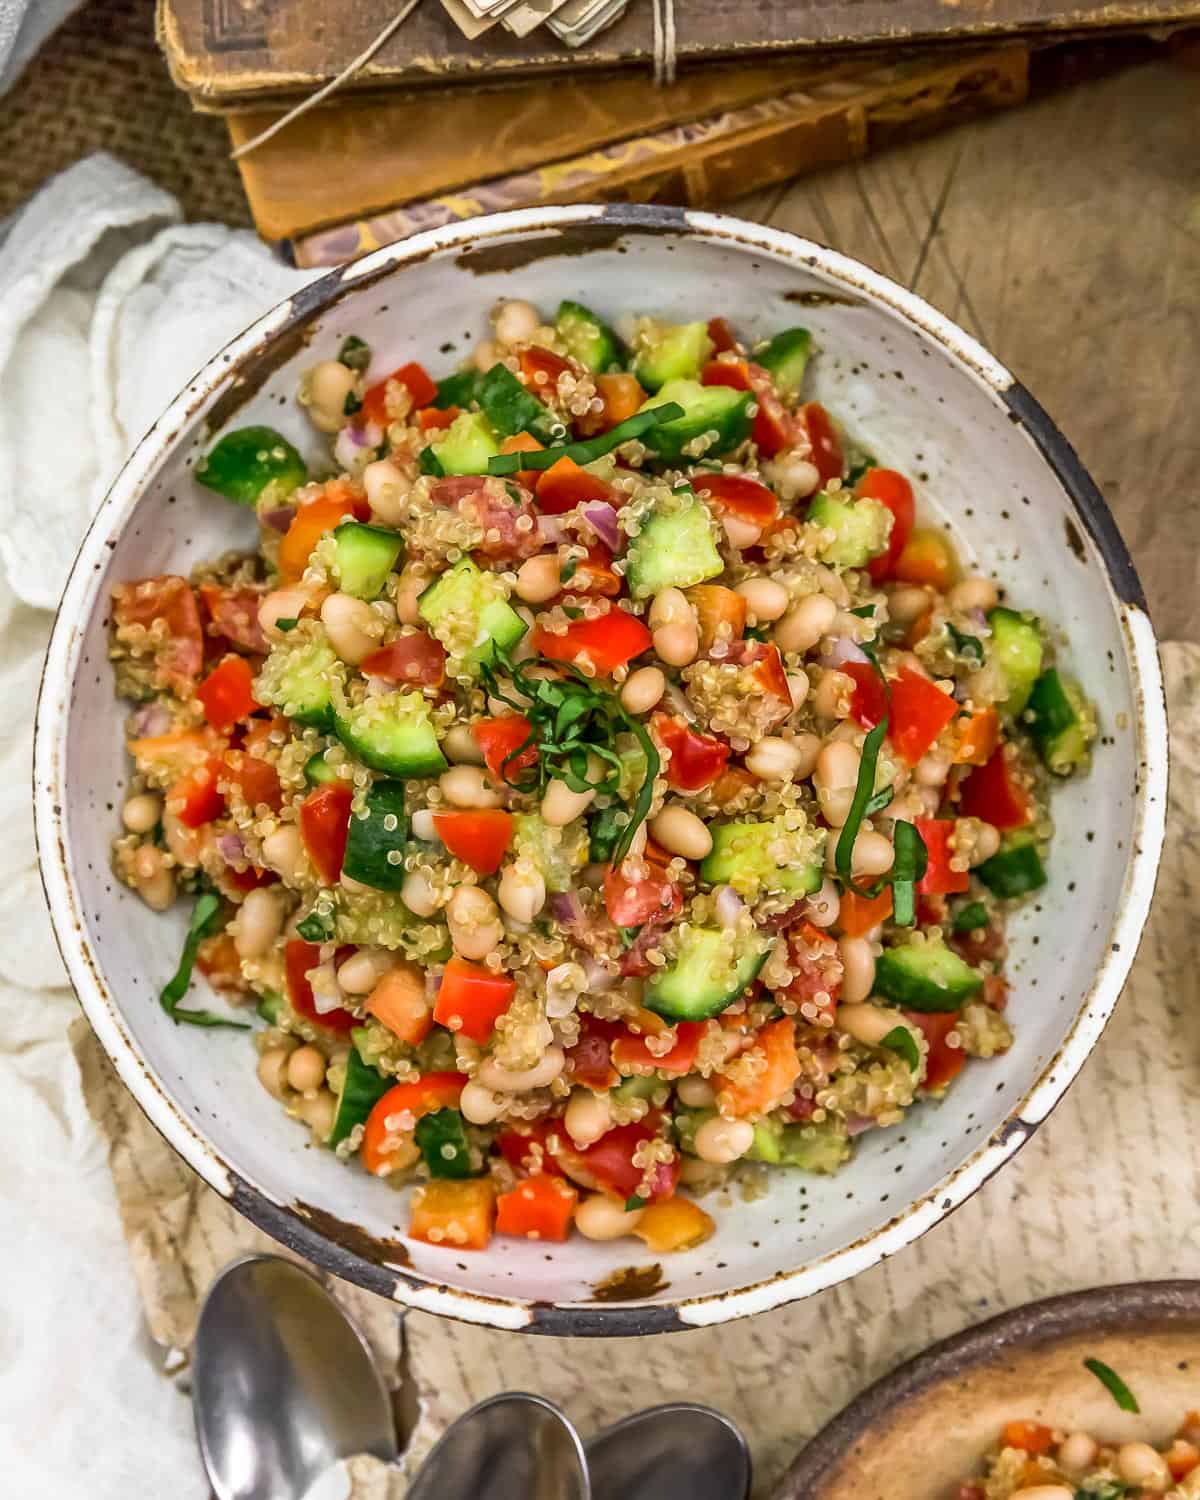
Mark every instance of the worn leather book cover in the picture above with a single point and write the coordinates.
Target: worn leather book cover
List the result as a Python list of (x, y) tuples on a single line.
[(229, 53)]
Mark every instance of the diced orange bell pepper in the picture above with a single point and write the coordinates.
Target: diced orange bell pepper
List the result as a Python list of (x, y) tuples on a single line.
[(472, 999), (435, 418), (178, 752), (730, 784), (456, 1215), (1029, 1437), (218, 960), (717, 606), (978, 736), (398, 1002), (565, 485), (777, 1041), (622, 397), (673, 1224), (858, 914), (927, 558), (309, 525), (540, 1208), (523, 442), (256, 780)]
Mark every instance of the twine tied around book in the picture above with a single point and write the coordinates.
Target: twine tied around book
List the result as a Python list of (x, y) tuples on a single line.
[(664, 67)]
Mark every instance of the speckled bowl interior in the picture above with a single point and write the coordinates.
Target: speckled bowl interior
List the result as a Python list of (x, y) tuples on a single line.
[(921, 396)]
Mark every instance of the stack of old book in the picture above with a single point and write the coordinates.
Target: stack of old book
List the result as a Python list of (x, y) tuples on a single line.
[(438, 124)]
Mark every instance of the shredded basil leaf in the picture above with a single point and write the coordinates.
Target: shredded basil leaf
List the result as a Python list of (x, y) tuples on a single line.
[(205, 920), (351, 404), (570, 568), (315, 928), (1113, 1383), (628, 936), (900, 1039), (864, 611), (863, 794), (355, 354), (429, 463), (755, 633), (513, 493), (857, 470), (973, 916), (636, 1202), (909, 865), (965, 645), (879, 801), (289, 623), (594, 448)]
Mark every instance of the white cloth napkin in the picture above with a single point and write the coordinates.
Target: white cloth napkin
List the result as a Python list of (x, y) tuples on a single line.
[(108, 306)]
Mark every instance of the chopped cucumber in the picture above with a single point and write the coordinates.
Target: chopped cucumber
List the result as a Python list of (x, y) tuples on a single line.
[(459, 389), (318, 771), (296, 678), (670, 351), (466, 445), (706, 975), (468, 611), (687, 1122), (861, 529), (675, 547), (1016, 869), (253, 464), (786, 359), (970, 918), (1061, 721), (375, 837), (510, 408), (558, 853), (363, 1088), (637, 1087), (754, 857), (585, 336), (814, 1147), (363, 557), (707, 409), (925, 977), (1017, 645), (269, 1007), (393, 734), (442, 1142)]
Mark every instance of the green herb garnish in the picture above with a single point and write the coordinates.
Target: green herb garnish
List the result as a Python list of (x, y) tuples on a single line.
[(594, 448), (355, 354), (900, 1039), (965, 645), (429, 463), (864, 794), (1113, 1383), (569, 570), (206, 919), (864, 611), (909, 865), (288, 623), (973, 916), (627, 936), (351, 404), (857, 470), (635, 1202), (315, 928)]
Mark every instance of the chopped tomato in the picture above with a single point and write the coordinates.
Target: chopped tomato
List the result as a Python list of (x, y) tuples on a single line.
[(919, 712), (590, 1058), (526, 1147), (246, 880), (398, 1001), (472, 999), (415, 658), (631, 1053), (178, 642), (777, 1043), (309, 525), (498, 507), (868, 702), (774, 429), (564, 485), (233, 613), (993, 792), (498, 738), (256, 780), (523, 442), (227, 695), (1030, 1437), (540, 1208), (723, 337), (981, 945), (325, 826), (696, 759), (421, 389), (816, 970), (541, 368), (939, 878), (894, 491), (218, 960), (455, 1215), (730, 784), (622, 397), (609, 1162), (650, 897), (717, 606), (436, 419), (944, 1062), (608, 641), (734, 373), (858, 914), (978, 736), (477, 837), (674, 1224), (594, 574), (195, 799), (299, 957), (769, 672), (927, 558), (823, 439), (742, 497)]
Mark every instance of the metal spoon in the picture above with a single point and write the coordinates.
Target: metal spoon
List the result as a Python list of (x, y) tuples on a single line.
[(511, 1447), (283, 1383), (676, 1452)]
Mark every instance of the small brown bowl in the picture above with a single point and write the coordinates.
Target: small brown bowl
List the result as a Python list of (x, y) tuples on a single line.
[(917, 1431)]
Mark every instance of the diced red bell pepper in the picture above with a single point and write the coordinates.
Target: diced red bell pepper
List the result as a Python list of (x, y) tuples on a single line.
[(403, 1105), (993, 793), (478, 837), (939, 879), (564, 485), (944, 1062), (607, 641), (919, 713), (540, 1208), (894, 491), (723, 337), (868, 702), (324, 827), (498, 738), (774, 429), (436, 418), (609, 1161), (649, 898), (416, 659), (631, 1053), (195, 798), (310, 524), (742, 497), (734, 373), (696, 759), (541, 367), (927, 558), (777, 1041), (227, 694), (257, 780), (590, 1058), (299, 957), (823, 439), (179, 656), (526, 1149), (472, 999), (422, 390), (622, 397)]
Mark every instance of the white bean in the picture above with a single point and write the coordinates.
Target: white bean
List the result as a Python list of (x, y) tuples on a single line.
[(765, 599), (142, 812), (868, 1024), (720, 1141), (805, 623), (674, 628), (587, 1116), (521, 890), (154, 883), (1076, 1452), (515, 321), (413, 583), (560, 805), (1044, 1492), (479, 1105), (474, 923), (833, 695), (487, 354), (858, 969), (326, 386), (599, 1217), (835, 777), (741, 533), (468, 786), (306, 1069), (423, 827), (272, 1071), (873, 854), (976, 839), (643, 689), (908, 603), (281, 604), (798, 686), (823, 906), (681, 832), (319, 1113), (362, 971), (387, 487), (502, 1081), (775, 759), (539, 578), (353, 627), (182, 842), (418, 894), (695, 1092), (259, 922), (283, 852), (1139, 1463), (973, 593), (932, 769), (793, 476)]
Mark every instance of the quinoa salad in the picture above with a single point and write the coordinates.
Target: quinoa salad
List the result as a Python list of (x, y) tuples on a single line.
[(596, 785)]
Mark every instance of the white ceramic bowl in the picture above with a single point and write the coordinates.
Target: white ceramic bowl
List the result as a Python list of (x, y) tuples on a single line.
[(927, 399)]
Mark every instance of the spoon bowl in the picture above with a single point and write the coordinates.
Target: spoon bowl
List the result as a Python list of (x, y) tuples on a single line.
[(678, 1449), (510, 1447), (284, 1384)]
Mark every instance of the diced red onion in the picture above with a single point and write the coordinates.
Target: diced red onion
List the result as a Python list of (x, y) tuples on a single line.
[(602, 518), (231, 848), (678, 702), (856, 1124), (566, 907), (782, 920), (323, 1004), (280, 518), (843, 649), (598, 977), (728, 906), (151, 720), (351, 441), (553, 531)]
